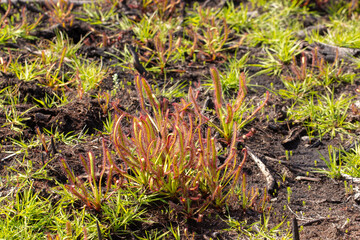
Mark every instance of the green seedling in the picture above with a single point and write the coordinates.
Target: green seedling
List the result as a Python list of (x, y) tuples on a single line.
[(177, 90), (299, 87), (124, 58), (89, 74), (54, 101), (54, 54), (53, 74), (22, 146), (153, 235), (340, 32), (28, 71), (175, 232), (234, 69), (9, 32), (327, 73), (286, 50), (350, 161), (60, 47), (237, 17), (98, 14), (260, 229), (349, 190), (27, 206), (333, 163), (69, 138), (276, 59), (14, 118), (125, 207), (274, 31), (146, 29), (289, 192), (108, 125), (31, 215), (324, 115), (30, 171)]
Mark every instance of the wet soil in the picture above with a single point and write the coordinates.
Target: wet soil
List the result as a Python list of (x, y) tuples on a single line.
[(322, 206)]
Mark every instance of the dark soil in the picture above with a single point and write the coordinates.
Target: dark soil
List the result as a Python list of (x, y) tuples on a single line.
[(321, 205)]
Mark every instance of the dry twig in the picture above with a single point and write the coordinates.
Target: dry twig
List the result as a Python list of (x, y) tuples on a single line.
[(269, 178)]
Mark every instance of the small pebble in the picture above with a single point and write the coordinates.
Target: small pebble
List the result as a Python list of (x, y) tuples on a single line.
[(357, 198), (357, 103), (305, 138)]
